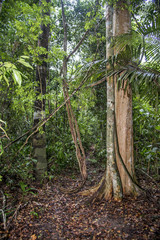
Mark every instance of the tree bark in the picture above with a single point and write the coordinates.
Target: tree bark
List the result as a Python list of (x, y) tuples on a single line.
[(113, 183), (110, 185), (118, 178), (123, 109), (39, 139)]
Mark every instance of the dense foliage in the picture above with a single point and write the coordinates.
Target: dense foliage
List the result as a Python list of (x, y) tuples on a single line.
[(19, 53)]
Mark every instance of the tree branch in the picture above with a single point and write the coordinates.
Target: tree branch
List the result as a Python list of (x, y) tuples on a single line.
[(78, 45), (97, 83), (57, 109)]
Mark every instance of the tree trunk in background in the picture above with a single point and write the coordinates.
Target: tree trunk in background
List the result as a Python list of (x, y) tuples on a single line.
[(123, 109), (39, 139), (80, 154)]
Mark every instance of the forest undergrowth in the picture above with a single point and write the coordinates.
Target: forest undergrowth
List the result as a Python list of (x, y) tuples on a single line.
[(44, 212)]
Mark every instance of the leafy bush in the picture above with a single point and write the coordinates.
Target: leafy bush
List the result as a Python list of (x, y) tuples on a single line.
[(146, 134)]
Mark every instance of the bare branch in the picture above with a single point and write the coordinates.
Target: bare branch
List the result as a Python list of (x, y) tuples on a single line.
[(97, 83), (78, 45)]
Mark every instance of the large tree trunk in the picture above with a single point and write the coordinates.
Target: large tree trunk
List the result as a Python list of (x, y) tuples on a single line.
[(39, 139), (117, 181), (110, 185), (113, 183), (123, 109)]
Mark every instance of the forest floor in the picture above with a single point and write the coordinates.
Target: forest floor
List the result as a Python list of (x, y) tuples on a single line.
[(53, 215)]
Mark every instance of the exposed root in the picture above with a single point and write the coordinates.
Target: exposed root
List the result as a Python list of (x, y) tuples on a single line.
[(74, 189), (92, 190), (99, 194), (105, 189)]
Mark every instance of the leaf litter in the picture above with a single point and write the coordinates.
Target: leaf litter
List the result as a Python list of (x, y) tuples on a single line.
[(52, 214)]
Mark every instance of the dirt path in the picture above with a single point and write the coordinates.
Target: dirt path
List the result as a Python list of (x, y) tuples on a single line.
[(52, 214)]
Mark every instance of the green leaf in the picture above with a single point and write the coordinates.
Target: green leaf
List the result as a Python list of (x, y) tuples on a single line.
[(8, 65), (26, 64), (26, 57), (157, 128), (23, 186), (17, 77), (92, 160), (6, 79)]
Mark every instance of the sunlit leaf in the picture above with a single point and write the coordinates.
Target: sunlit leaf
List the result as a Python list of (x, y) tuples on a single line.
[(26, 64), (17, 77)]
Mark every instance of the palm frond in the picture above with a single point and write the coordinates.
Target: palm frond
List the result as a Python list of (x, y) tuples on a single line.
[(143, 79)]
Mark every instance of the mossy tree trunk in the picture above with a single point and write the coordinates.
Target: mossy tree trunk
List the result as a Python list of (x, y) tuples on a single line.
[(39, 139)]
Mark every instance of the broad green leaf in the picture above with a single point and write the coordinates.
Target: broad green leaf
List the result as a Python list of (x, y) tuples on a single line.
[(17, 77), (25, 57), (8, 65), (26, 64)]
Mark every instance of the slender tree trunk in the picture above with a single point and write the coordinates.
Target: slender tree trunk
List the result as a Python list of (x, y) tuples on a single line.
[(80, 154), (123, 108), (39, 139)]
